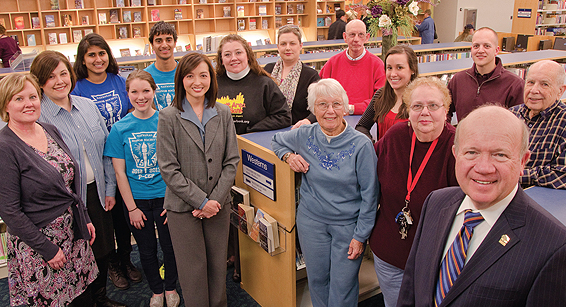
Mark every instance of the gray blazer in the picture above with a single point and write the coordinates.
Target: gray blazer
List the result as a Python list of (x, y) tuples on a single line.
[(192, 170)]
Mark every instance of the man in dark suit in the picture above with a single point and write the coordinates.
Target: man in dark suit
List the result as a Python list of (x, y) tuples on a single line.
[(517, 252)]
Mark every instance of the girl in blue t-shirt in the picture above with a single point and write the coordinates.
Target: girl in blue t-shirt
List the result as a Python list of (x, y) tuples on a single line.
[(132, 146), (97, 79)]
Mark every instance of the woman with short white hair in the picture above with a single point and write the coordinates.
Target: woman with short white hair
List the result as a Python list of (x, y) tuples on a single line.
[(339, 192)]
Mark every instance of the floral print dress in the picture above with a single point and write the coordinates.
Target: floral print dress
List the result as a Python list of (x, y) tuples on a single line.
[(32, 281)]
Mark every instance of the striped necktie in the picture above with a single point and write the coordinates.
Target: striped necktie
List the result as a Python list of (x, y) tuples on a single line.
[(456, 256)]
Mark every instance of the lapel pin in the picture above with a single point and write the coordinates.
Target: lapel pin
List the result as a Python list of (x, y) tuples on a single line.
[(504, 240)]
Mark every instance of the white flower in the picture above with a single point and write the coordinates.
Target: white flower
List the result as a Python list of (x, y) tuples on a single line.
[(384, 21), (414, 8)]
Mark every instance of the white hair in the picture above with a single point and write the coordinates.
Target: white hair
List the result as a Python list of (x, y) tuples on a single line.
[(326, 88)]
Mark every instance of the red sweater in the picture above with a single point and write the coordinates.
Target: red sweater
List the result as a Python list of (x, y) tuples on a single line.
[(359, 78), (392, 170)]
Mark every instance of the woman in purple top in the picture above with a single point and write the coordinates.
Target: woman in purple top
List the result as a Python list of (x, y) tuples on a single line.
[(8, 47), (414, 159)]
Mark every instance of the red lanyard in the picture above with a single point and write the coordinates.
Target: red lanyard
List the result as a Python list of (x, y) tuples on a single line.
[(410, 183)]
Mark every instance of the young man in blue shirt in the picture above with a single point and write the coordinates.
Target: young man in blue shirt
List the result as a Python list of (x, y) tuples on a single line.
[(163, 39)]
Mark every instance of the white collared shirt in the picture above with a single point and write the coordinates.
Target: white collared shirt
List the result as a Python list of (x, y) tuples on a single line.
[(490, 216), (358, 58)]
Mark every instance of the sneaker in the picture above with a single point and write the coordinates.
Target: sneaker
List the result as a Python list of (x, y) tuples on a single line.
[(132, 272), (172, 299), (156, 301), (117, 277)]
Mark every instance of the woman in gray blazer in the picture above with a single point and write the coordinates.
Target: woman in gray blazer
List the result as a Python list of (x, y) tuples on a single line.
[(198, 155)]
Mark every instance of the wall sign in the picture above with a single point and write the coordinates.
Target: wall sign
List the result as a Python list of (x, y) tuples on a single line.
[(259, 174), (524, 13)]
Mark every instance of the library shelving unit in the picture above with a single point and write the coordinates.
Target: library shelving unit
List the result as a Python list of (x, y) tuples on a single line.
[(551, 16), (41, 24)]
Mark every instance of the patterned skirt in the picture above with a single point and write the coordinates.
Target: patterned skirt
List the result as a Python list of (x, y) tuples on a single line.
[(33, 282)]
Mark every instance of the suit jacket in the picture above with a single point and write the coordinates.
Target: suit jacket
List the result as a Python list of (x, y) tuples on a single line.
[(192, 170), (530, 270)]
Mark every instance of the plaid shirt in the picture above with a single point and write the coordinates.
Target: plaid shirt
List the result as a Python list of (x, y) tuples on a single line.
[(547, 143)]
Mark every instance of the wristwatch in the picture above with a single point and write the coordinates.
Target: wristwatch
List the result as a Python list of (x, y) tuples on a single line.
[(285, 157)]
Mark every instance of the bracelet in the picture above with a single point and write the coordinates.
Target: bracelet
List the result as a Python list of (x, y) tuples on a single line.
[(133, 209), (286, 156)]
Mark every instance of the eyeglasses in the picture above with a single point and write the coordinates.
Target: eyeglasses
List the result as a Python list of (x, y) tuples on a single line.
[(323, 106), (431, 107), (352, 35)]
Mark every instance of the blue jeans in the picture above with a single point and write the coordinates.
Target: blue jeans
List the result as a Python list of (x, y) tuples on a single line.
[(390, 278), (332, 277), (147, 245)]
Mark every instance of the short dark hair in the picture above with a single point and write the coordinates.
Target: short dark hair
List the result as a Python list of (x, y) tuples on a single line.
[(160, 28), (46, 62), (428, 12), (93, 39), (340, 13), (187, 64)]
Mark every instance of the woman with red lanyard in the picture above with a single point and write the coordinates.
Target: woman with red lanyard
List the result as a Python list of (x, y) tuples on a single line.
[(414, 159)]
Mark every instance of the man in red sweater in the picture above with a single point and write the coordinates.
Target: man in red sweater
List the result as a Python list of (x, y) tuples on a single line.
[(358, 71)]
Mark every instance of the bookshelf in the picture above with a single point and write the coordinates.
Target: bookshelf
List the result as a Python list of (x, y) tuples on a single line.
[(41, 24)]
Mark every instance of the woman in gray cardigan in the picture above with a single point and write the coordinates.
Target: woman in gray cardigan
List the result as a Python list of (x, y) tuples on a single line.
[(198, 156)]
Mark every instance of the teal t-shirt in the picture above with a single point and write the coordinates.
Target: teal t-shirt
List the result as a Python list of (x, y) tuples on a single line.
[(134, 140), (165, 82)]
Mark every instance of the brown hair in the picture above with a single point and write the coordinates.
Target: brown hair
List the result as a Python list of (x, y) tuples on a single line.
[(93, 39), (289, 29), (45, 63), (187, 64), (385, 100), (142, 75), (252, 62), (10, 86)]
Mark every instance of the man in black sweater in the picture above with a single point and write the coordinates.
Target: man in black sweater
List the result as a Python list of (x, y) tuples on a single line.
[(337, 28)]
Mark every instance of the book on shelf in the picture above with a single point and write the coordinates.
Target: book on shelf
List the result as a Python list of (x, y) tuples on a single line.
[(199, 47), (85, 20), (240, 195), (77, 36), (19, 22), (150, 2), (136, 32), (179, 48), (122, 33), (207, 42), (67, 20), (278, 9), (227, 11), (137, 17), (254, 232), (119, 3), (259, 42), (264, 24), (273, 230), (88, 31), (202, 1), (299, 21), (290, 9), (268, 233), (240, 10), (54, 4), (182, 1), (79, 4), (124, 52), (35, 23), (52, 38), (327, 21), (252, 24), (138, 52), (200, 13), (188, 47), (267, 41), (241, 25), (278, 22), (300, 8), (290, 21), (49, 21), (146, 49), (178, 14), (155, 15), (31, 39), (263, 237), (246, 217), (136, 2), (320, 37), (221, 1), (102, 18), (114, 16), (329, 9), (63, 38), (262, 9), (320, 22), (127, 16)]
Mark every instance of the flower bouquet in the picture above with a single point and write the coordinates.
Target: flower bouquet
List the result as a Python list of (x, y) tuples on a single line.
[(391, 16)]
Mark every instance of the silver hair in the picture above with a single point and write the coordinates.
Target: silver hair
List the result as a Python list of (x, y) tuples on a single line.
[(326, 88)]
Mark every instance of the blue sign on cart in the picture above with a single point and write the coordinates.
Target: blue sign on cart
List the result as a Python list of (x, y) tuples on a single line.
[(259, 174)]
